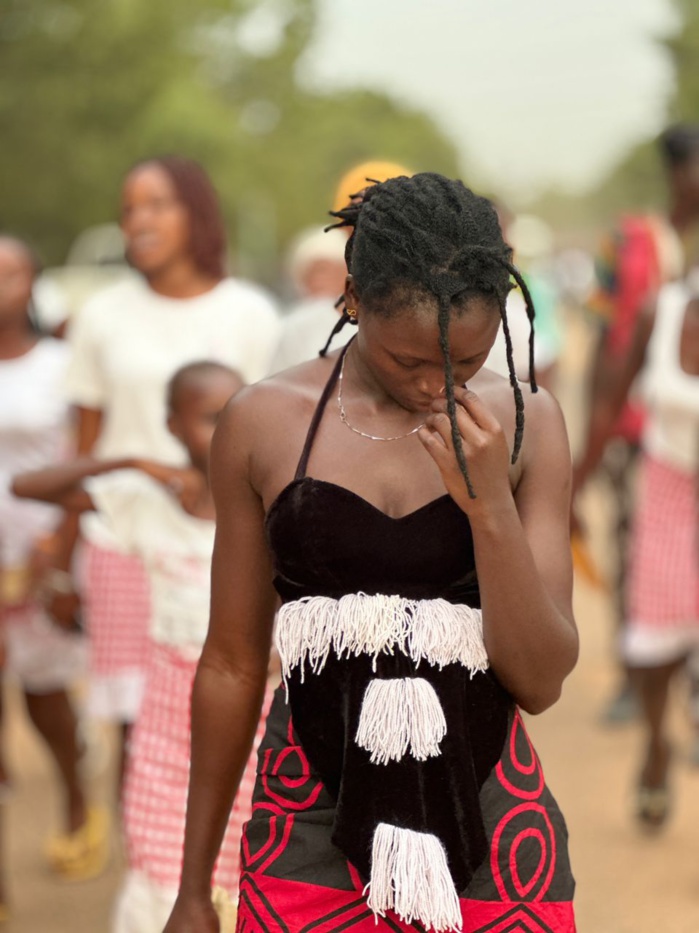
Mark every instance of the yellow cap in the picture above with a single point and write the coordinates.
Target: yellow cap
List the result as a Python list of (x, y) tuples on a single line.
[(356, 179)]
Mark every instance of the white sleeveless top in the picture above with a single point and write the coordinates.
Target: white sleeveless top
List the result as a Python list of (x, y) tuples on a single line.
[(672, 427), (34, 433)]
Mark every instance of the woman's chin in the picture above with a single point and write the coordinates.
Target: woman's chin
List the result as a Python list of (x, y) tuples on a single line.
[(148, 262)]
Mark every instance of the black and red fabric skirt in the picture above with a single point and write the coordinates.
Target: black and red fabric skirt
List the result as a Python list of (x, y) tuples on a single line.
[(295, 880), (395, 803)]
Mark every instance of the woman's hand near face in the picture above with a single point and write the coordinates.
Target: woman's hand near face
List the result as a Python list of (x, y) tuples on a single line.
[(521, 540), (485, 449)]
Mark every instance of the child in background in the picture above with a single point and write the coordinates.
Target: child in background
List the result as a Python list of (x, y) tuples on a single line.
[(43, 657), (165, 515)]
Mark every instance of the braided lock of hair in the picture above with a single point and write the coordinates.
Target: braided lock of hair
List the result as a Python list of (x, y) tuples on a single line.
[(344, 318), (429, 235), (349, 217)]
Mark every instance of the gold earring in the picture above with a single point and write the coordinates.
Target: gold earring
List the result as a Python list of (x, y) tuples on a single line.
[(352, 313)]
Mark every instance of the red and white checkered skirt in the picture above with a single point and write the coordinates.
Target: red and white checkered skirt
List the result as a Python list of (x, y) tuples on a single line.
[(116, 609), (664, 559), (116, 602), (157, 778)]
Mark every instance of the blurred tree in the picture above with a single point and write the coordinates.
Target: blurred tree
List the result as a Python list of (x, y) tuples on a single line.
[(684, 51), (637, 182), (87, 88)]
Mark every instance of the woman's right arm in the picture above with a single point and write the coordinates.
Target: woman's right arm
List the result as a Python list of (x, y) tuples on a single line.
[(89, 428), (230, 680)]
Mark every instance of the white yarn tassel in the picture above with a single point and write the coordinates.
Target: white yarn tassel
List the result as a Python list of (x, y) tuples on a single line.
[(410, 875), (401, 715), (432, 630)]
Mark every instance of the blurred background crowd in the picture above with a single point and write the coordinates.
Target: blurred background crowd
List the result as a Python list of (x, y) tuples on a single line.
[(166, 171)]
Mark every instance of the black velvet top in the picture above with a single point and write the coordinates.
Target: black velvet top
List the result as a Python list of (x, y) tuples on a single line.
[(329, 541)]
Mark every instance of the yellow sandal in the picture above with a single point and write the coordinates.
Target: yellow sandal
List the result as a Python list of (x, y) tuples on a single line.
[(83, 854)]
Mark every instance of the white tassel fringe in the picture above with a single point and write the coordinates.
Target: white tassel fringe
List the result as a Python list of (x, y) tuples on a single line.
[(401, 715), (433, 630), (410, 875)]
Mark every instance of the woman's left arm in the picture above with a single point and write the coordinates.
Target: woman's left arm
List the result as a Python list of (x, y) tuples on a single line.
[(521, 540)]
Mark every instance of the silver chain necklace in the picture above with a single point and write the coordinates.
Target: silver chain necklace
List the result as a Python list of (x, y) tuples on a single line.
[(345, 420)]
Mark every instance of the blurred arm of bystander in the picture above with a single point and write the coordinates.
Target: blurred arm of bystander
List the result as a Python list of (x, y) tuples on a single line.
[(607, 406)]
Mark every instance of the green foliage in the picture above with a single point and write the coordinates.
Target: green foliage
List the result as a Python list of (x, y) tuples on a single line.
[(637, 182), (89, 86), (684, 51)]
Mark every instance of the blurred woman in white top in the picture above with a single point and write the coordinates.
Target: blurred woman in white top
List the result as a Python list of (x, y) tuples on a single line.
[(43, 657), (662, 631), (127, 343)]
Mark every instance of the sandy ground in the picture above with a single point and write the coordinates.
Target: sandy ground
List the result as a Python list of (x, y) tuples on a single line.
[(628, 882)]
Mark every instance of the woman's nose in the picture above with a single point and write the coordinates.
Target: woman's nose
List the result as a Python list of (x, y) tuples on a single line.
[(432, 387)]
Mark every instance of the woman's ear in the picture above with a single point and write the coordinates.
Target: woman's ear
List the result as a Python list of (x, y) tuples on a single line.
[(351, 297)]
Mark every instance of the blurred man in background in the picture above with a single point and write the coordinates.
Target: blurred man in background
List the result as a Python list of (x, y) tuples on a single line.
[(318, 271), (636, 259)]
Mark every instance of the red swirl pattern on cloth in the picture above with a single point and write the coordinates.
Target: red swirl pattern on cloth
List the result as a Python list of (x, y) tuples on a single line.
[(508, 861), (525, 781), (526, 827), (275, 762)]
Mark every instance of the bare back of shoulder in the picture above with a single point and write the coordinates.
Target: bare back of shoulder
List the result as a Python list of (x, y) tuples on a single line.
[(275, 415)]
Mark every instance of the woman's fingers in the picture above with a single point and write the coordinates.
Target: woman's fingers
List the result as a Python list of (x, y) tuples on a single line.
[(467, 401), (434, 444), (480, 413), (440, 425), (480, 431), (468, 428)]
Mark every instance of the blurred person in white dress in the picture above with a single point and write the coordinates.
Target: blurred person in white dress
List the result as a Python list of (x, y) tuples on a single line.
[(44, 658)]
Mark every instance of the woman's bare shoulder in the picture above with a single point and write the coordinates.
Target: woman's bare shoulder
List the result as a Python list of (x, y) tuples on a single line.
[(539, 405), (543, 409), (275, 408), (545, 434)]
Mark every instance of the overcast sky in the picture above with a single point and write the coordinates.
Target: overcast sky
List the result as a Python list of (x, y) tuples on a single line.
[(533, 92)]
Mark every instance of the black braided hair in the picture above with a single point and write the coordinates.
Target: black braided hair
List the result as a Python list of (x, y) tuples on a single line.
[(428, 236)]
